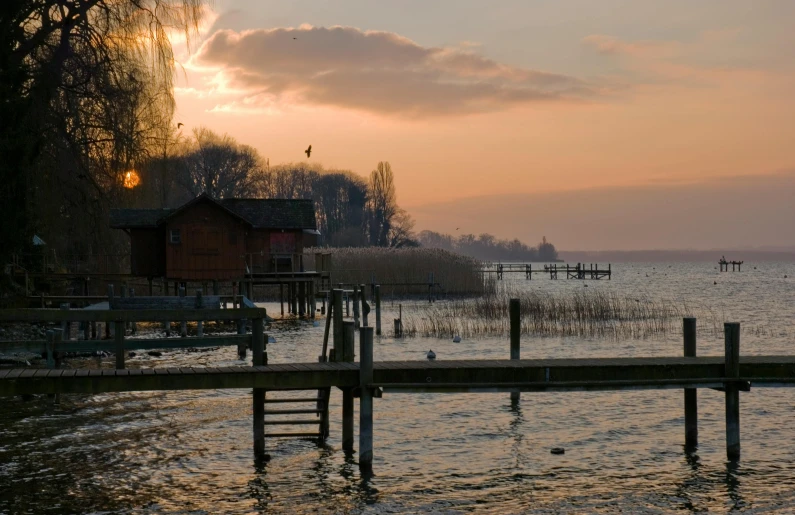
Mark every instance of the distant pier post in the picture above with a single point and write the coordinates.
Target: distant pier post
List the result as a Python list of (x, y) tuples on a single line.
[(732, 359), (691, 394), (366, 399), (516, 331)]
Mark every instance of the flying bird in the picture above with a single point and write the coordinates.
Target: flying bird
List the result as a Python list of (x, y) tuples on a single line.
[(295, 38), (308, 151), (180, 124)]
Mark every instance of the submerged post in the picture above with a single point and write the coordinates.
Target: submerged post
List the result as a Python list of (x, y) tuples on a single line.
[(691, 394), (366, 399), (731, 333), (347, 393), (259, 358), (516, 330), (378, 309)]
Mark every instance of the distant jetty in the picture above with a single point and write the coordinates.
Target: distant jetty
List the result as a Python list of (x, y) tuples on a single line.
[(724, 265)]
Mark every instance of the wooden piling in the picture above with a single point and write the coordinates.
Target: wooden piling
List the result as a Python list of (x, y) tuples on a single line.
[(732, 358), (691, 394), (110, 306), (338, 331), (347, 393), (259, 358), (199, 305), (366, 399), (66, 327), (301, 299), (365, 305), (378, 309), (133, 325), (516, 331), (241, 347), (118, 330), (183, 325), (356, 322)]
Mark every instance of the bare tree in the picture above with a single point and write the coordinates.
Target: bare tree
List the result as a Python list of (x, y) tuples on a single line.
[(219, 166), (382, 204)]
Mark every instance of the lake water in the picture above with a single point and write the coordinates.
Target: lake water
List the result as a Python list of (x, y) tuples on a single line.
[(190, 452)]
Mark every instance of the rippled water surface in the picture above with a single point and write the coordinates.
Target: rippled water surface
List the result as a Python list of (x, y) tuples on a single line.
[(190, 452)]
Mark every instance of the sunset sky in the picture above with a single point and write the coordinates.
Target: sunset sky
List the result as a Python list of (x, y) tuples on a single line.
[(612, 110)]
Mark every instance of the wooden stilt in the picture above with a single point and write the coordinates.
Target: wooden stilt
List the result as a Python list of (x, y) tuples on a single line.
[(118, 330), (732, 358), (259, 358), (347, 393), (366, 399), (356, 321), (516, 331), (691, 394)]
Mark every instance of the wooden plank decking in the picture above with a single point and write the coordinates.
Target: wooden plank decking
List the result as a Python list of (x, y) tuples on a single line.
[(432, 376)]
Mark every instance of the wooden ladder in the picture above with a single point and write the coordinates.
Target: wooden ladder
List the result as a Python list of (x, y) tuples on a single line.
[(304, 405)]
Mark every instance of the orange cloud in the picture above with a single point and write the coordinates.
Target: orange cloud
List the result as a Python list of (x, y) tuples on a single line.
[(379, 72)]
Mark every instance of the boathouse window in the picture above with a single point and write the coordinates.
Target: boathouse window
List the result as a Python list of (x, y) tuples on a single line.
[(175, 237)]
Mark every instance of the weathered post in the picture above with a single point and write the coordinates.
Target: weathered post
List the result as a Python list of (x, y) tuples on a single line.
[(183, 325), (52, 358), (65, 325), (301, 299), (312, 309), (118, 330), (199, 305), (110, 306), (731, 333), (241, 347), (356, 322), (366, 399), (347, 394), (337, 318), (133, 325), (259, 358), (378, 309), (365, 305), (691, 394), (516, 331)]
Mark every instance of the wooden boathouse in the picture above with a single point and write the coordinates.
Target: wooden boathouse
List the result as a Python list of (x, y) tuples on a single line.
[(217, 239)]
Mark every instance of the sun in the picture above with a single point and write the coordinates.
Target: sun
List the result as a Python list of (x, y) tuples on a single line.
[(131, 179)]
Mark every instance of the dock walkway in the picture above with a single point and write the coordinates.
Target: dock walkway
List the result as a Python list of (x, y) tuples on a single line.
[(592, 374)]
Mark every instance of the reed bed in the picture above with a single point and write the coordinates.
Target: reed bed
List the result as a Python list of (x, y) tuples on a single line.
[(591, 314), (395, 268)]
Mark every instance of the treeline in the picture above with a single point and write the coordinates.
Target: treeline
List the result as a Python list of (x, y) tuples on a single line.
[(351, 211), (488, 248)]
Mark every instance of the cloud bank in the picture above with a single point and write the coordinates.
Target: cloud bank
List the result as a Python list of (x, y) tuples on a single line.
[(378, 72)]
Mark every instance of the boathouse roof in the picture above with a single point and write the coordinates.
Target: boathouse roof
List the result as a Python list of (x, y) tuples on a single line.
[(258, 213)]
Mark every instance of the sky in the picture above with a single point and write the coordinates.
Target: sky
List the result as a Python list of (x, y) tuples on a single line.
[(612, 110)]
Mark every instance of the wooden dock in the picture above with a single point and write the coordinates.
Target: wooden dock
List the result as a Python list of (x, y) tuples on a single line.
[(578, 271), (367, 380)]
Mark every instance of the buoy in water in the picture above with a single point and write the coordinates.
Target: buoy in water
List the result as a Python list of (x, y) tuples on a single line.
[(431, 355), (456, 339), (558, 450), (714, 282)]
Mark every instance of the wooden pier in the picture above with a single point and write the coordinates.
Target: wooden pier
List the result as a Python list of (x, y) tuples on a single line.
[(578, 271), (730, 373), (724, 265)]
